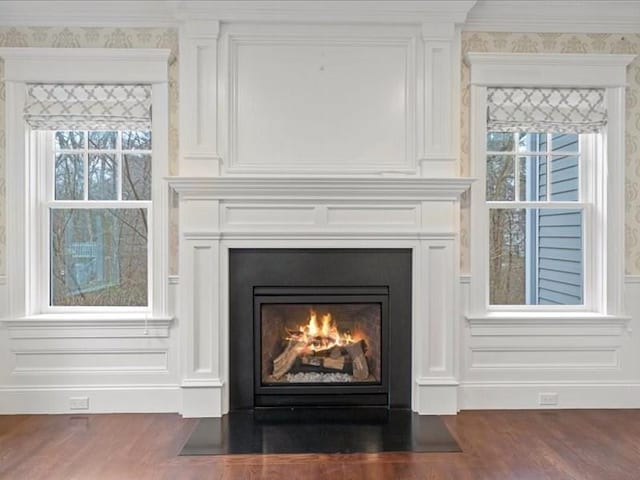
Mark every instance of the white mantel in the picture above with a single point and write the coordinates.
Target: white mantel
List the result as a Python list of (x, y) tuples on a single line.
[(221, 213), (319, 125)]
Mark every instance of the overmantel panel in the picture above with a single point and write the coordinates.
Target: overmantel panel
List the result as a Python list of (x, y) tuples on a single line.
[(318, 99)]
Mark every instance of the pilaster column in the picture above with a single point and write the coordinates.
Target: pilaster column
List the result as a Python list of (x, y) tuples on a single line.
[(198, 98), (441, 85)]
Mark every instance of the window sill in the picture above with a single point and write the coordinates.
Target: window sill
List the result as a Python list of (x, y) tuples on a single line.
[(531, 322), (113, 325)]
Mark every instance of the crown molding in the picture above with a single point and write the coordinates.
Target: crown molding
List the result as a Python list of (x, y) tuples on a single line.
[(159, 13), (562, 16), (88, 13), (320, 11), (565, 16)]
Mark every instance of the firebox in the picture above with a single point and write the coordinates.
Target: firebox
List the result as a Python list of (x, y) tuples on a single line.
[(320, 342), (319, 327)]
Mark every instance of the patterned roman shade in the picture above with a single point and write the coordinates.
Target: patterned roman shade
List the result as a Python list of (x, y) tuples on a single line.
[(88, 107), (561, 110)]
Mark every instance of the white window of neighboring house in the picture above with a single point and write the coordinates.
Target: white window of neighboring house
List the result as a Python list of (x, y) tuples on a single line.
[(547, 210), (97, 213), (87, 152)]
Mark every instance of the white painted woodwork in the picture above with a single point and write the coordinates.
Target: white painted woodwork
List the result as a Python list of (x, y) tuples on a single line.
[(319, 99), (162, 13), (608, 16), (301, 103), (338, 212), (604, 16), (590, 360), (90, 361), (198, 97)]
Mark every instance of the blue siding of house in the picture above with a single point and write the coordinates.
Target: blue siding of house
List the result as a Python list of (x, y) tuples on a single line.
[(559, 244)]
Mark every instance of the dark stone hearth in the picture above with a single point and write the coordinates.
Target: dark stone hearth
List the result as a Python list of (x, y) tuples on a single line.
[(360, 430)]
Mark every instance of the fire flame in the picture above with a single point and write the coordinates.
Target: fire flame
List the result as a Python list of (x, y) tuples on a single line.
[(322, 334)]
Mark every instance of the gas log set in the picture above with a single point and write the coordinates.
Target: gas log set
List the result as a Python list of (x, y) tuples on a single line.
[(319, 352)]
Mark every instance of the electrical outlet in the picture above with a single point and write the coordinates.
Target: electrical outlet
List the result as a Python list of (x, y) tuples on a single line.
[(548, 398), (79, 403)]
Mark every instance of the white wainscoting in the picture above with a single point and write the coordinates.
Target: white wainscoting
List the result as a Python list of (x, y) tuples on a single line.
[(590, 362), (118, 365)]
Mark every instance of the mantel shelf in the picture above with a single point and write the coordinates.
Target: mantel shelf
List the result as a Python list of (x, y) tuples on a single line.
[(325, 187)]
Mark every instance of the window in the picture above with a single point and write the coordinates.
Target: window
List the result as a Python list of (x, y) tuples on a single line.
[(536, 210), (88, 224), (547, 209), (97, 212)]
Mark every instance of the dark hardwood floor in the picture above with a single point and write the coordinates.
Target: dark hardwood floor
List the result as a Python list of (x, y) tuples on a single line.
[(536, 445)]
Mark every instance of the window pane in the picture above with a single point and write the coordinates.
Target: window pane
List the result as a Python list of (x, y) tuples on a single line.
[(528, 181), (102, 140), (99, 257), (565, 177), (136, 177), (507, 256), (536, 257), (136, 140), (500, 142), (69, 140), (532, 142), (564, 142), (69, 177), (103, 177), (500, 177)]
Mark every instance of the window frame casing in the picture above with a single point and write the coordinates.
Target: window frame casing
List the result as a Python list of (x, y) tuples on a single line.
[(604, 229), (70, 65)]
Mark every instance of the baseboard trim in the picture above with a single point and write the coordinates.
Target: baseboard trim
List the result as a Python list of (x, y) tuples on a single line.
[(525, 395), (102, 399)]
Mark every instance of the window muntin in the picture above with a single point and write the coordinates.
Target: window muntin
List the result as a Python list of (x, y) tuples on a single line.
[(97, 220), (536, 212)]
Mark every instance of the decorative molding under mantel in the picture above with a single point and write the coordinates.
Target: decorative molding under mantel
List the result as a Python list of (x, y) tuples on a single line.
[(362, 188)]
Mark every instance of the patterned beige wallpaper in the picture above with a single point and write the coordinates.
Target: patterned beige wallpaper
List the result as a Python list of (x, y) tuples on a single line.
[(93, 38), (566, 43)]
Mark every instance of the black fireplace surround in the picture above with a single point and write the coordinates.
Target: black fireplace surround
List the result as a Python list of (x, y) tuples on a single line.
[(374, 281)]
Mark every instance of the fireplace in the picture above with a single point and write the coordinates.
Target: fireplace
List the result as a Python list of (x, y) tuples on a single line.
[(320, 328), (240, 234), (317, 341)]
